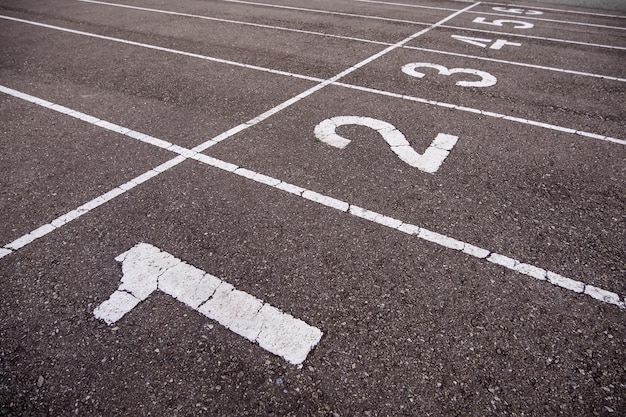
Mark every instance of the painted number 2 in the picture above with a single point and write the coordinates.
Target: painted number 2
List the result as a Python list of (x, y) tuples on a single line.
[(429, 161), (486, 79)]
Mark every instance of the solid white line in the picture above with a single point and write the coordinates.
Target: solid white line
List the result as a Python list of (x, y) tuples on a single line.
[(333, 80), (356, 211), (519, 64), (167, 12), (517, 16), (424, 24), (486, 113), (237, 22), (162, 49)]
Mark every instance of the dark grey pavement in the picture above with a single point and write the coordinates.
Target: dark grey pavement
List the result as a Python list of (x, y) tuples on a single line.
[(493, 287)]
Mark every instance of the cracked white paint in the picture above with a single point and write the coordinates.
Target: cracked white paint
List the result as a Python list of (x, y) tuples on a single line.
[(146, 269), (430, 161)]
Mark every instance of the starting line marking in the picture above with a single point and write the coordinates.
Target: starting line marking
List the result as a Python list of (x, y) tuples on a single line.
[(334, 80), (146, 269), (356, 211)]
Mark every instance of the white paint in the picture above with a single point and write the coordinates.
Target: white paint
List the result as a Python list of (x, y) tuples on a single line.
[(430, 161), (517, 24), (482, 42), (486, 79), (146, 269)]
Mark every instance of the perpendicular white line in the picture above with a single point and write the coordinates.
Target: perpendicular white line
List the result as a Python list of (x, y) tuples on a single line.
[(280, 28), (525, 17), (422, 233), (412, 22)]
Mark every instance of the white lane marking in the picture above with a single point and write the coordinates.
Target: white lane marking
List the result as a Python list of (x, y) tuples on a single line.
[(422, 233), (487, 113), (412, 22), (236, 22), (542, 19), (430, 161), (281, 28), (160, 48), (146, 269)]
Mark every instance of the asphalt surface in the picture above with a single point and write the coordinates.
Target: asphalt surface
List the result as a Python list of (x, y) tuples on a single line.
[(412, 325)]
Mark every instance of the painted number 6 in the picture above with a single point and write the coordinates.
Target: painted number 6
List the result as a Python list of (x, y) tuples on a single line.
[(486, 79)]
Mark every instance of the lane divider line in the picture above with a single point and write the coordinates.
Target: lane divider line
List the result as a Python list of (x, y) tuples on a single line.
[(422, 233), (349, 38), (412, 22), (333, 80)]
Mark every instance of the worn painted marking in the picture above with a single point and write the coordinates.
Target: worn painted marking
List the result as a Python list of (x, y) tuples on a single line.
[(356, 211), (430, 161), (146, 269), (350, 38)]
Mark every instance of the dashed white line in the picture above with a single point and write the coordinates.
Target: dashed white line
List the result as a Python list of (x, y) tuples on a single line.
[(328, 201)]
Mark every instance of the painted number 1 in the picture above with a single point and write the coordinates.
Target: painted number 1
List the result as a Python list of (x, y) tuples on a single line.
[(429, 161)]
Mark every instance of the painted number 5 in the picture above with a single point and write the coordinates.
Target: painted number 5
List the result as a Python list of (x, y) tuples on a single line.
[(429, 161), (486, 79)]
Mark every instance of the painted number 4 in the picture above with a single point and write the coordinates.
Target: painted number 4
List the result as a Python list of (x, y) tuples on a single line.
[(429, 161)]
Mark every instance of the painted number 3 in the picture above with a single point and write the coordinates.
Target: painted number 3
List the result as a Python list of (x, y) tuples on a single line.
[(486, 79)]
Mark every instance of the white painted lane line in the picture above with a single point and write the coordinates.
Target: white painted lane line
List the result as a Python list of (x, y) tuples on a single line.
[(281, 28), (356, 211), (236, 22), (526, 17), (412, 22), (146, 269), (487, 113), (162, 49), (519, 64)]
